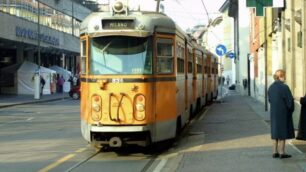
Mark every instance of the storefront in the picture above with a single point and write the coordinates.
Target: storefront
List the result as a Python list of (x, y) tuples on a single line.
[(44, 32)]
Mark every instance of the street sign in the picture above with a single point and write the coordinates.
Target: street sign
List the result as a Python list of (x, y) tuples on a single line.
[(260, 5), (231, 55), (220, 50)]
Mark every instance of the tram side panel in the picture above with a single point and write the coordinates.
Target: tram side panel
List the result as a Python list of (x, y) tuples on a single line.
[(190, 82), (181, 85), (199, 78), (209, 78)]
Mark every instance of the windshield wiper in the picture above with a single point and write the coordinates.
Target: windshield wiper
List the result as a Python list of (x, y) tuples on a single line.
[(103, 51)]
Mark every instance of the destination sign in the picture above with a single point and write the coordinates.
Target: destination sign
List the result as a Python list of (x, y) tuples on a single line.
[(118, 24)]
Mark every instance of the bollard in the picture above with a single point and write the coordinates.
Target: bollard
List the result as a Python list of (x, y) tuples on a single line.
[(36, 86)]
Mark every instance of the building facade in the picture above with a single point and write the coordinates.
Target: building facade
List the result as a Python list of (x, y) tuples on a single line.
[(277, 41), (45, 32)]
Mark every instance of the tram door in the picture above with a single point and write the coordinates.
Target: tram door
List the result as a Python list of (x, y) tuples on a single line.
[(165, 88)]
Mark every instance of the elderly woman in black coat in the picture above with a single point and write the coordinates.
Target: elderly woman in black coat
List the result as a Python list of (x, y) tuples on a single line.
[(281, 109), (302, 123)]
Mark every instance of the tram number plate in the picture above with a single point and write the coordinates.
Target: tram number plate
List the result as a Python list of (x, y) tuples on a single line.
[(117, 80)]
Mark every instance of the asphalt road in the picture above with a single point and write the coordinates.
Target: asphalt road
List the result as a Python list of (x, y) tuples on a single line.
[(47, 137)]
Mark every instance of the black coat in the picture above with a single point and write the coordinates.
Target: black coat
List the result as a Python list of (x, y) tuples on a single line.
[(282, 107), (302, 123)]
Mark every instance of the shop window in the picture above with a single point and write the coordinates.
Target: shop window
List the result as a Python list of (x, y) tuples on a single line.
[(12, 7), (164, 56), (3, 5)]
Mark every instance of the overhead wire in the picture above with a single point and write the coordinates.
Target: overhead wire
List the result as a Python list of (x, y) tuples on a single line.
[(185, 10), (205, 10)]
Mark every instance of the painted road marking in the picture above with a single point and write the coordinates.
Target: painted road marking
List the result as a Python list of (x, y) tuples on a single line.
[(80, 150), (160, 165), (57, 163)]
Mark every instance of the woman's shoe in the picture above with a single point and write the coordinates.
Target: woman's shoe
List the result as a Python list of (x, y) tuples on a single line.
[(275, 155), (281, 156)]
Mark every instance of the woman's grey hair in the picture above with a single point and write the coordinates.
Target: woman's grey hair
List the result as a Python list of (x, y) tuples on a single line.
[(280, 73)]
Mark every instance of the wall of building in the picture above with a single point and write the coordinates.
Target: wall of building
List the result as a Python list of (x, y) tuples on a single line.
[(14, 24), (244, 30), (284, 50)]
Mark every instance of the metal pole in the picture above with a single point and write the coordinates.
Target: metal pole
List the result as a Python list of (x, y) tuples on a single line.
[(266, 61), (157, 5), (72, 13), (38, 34)]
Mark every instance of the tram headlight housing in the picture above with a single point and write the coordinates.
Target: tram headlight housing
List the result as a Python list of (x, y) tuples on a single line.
[(96, 107), (139, 107)]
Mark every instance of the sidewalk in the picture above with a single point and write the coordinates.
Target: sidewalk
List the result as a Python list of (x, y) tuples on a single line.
[(12, 100), (233, 135)]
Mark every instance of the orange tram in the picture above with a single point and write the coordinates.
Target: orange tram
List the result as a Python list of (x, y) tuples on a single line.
[(142, 78)]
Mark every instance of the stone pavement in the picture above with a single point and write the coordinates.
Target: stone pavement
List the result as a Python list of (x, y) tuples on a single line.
[(233, 135)]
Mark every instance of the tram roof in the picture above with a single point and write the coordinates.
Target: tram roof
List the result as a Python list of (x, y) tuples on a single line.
[(141, 24)]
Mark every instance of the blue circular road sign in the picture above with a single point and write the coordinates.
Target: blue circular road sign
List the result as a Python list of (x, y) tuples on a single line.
[(220, 50), (231, 55)]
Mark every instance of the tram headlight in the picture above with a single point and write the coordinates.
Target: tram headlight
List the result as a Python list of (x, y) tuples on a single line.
[(141, 27), (140, 107), (118, 7), (140, 116), (96, 107), (95, 117)]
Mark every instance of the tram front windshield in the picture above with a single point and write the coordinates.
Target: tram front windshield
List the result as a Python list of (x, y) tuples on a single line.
[(121, 55)]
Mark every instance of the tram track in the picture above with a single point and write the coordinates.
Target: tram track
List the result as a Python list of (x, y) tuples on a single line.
[(153, 162), (82, 162)]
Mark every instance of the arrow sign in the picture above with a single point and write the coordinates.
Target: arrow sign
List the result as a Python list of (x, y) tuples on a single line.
[(220, 50), (231, 55)]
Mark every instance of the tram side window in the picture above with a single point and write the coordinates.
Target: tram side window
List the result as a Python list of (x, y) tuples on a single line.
[(190, 62), (180, 59), (199, 64), (164, 56), (83, 57)]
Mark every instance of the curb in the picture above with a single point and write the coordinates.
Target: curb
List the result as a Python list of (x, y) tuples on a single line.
[(33, 102)]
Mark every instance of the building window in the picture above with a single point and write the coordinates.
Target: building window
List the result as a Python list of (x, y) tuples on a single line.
[(28, 10)]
